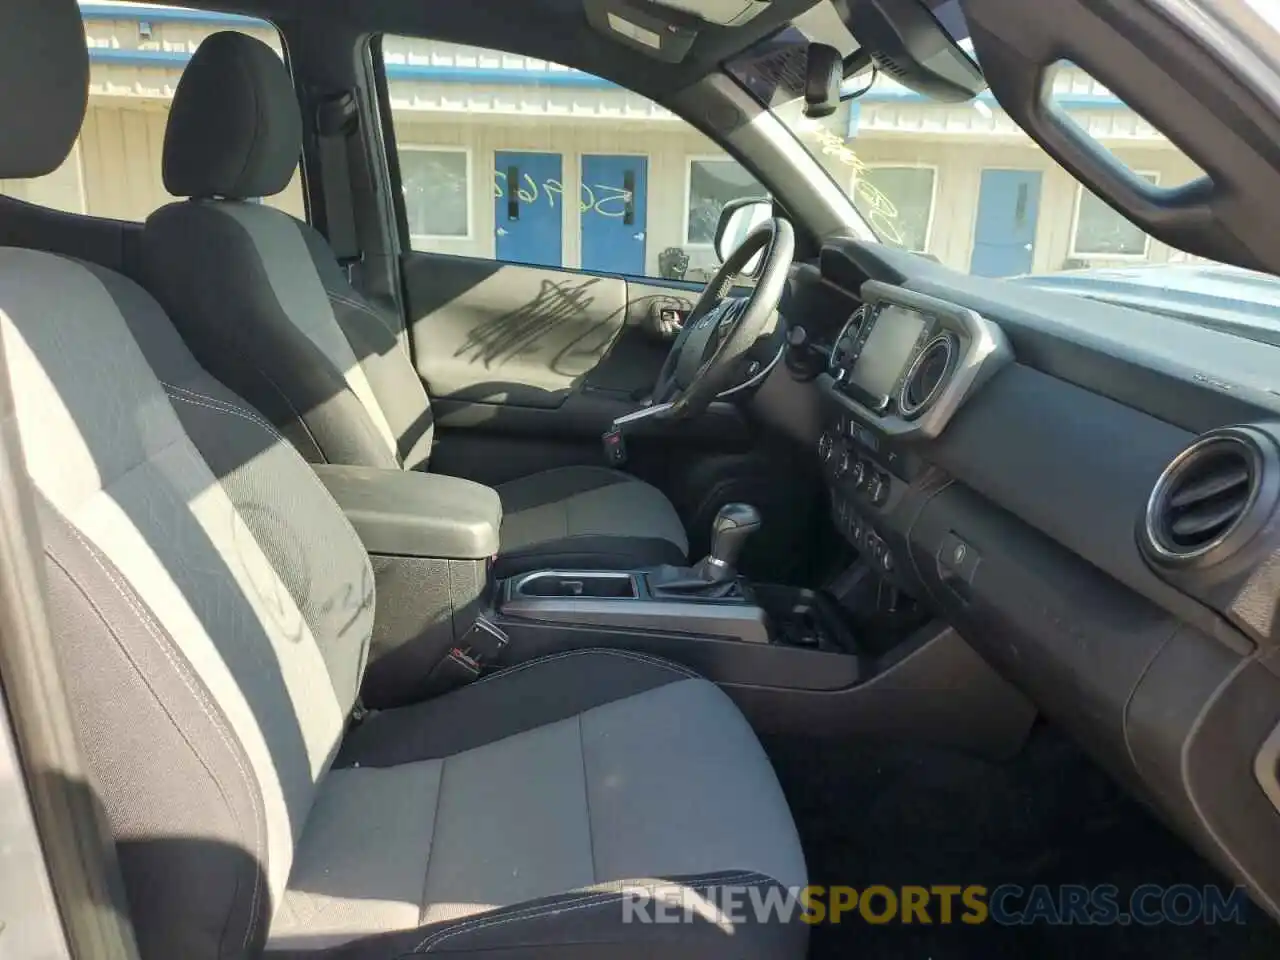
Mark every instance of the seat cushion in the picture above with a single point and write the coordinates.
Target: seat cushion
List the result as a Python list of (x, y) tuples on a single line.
[(515, 812), (589, 518)]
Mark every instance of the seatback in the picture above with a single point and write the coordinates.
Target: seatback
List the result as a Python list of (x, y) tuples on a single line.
[(258, 295), (210, 604)]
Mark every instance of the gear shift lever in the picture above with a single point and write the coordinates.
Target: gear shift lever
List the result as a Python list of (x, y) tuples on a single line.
[(715, 577), (733, 525)]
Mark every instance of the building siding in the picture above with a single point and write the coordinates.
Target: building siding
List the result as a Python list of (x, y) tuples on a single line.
[(452, 96)]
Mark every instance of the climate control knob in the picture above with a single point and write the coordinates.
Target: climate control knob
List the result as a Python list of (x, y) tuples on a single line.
[(878, 489), (843, 460), (858, 473)]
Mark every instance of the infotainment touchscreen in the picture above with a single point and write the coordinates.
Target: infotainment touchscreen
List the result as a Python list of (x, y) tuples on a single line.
[(887, 350)]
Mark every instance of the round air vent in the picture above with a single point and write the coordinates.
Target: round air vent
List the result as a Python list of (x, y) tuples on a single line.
[(1209, 501), (926, 375), (842, 351)]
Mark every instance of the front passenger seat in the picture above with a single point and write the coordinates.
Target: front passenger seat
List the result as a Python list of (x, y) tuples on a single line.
[(210, 611), (265, 306)]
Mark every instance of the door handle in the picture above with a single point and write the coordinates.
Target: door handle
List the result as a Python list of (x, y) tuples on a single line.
[(502, 231), (638, 236), (513, 193), (1027, 247)]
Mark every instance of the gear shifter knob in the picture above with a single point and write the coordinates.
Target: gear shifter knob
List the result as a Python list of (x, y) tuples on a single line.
[(733, 525)]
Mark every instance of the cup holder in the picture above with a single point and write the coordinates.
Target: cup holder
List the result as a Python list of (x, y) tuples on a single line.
[(599, 585)]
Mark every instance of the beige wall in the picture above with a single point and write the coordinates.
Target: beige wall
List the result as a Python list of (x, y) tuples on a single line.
[(114, 171), (959, 165), (667, 144)]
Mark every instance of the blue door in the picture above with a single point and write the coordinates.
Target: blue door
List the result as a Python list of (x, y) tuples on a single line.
[(527, 214), (614, 200), (1005, 235)]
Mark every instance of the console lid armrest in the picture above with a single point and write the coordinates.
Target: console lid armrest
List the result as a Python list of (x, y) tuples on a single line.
[(402, 513)]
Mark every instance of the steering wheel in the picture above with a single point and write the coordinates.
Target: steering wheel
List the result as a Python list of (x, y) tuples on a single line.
[(721, 329)]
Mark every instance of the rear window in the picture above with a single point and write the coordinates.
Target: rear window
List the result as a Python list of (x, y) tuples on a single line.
[(136, 56)]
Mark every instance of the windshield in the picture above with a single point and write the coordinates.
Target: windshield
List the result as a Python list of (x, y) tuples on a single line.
[(961, 182)]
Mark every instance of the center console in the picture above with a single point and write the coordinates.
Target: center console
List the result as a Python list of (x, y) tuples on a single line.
[(794, 660), (431, 541), (632, 601), (900, 369), (708, 600)]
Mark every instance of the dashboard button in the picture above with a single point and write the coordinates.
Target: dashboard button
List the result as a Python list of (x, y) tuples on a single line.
[(878, 489), (858, 473), (825, 444), (843, 460), (957, 559)]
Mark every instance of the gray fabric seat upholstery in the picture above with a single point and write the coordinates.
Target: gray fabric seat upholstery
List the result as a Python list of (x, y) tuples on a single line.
[(263, 303), (211, 610), (552, 783)]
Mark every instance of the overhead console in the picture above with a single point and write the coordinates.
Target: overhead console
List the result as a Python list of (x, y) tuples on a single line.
[(905, 362)]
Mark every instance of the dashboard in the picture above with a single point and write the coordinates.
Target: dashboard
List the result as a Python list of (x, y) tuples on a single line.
[(1090, 495)]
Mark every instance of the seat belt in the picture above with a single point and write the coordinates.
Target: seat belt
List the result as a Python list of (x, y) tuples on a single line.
[(341, 153)]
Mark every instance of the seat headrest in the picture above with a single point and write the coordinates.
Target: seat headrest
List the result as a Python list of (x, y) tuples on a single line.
[(235, 129), (44, 85)]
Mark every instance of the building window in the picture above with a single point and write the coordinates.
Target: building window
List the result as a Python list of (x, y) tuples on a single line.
[(713, 182), (898, 202), (437, 185), (1101, 232)]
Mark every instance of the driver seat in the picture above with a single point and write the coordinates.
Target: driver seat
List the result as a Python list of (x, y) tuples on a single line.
[(263, 303)]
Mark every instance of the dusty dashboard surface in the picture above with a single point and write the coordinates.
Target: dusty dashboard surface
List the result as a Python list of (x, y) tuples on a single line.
[(1097, 516)]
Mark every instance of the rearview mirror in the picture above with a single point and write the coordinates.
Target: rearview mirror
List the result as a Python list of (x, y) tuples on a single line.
[(823, 74), (737, 220)]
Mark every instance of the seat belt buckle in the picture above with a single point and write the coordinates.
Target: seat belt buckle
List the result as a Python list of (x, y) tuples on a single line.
[(484, 642), (350, 267), (456, 669), (615, 446)]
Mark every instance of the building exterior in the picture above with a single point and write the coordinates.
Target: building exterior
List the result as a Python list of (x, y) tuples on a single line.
[(960, 182)]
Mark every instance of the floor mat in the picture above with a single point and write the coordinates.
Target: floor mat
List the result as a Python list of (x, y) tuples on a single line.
[(896, 815)]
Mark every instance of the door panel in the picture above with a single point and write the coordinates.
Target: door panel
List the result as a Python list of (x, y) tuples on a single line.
[(1005, 233), (495, 333), (527, 215), (613, 214), (528, 366)]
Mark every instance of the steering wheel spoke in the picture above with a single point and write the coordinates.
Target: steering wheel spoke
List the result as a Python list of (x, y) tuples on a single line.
[(721, 328)]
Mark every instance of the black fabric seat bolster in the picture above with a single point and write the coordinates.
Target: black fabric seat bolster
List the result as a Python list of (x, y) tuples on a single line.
[(589, 924), (587, 517), (306, 398), (590, 552), (514, 700)]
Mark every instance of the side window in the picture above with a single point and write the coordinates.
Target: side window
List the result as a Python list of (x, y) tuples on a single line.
[(515, 159), (1099, 233), (437, 193), (136, 57), (712, 182)]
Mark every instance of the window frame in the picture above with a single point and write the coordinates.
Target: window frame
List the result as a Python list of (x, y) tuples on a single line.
[(1074, 252), (904, 165), (689, 160), (467, 151)]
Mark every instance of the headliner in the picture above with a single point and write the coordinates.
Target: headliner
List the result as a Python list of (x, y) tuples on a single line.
[(555, 30)]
